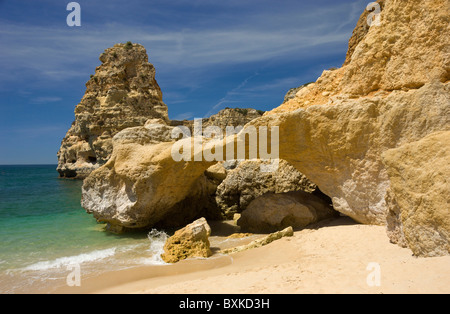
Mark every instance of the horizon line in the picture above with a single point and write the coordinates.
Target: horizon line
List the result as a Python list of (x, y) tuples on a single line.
[(28, 165)]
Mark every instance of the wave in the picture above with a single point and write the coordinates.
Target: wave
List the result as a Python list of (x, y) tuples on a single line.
[(157, 241), (156, 238), (72, 260)]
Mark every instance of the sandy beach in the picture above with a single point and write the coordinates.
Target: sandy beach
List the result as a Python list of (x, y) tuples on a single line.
[(338, 256), (230, 148)]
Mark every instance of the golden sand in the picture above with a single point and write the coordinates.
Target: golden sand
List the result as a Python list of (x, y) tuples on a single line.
[(338, 256)]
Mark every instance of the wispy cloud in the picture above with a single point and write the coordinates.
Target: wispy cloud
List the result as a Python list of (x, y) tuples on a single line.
[(45, 99), (271, 85), (32, 132), (208, 54), (191, 48), (190, 52), (60, 53), (226, 99)]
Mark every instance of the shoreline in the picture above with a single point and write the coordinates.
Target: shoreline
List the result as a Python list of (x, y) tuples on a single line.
[(329, 257)]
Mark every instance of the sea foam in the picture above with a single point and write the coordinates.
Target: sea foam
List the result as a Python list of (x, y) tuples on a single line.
[(157, 240), (71, 260)]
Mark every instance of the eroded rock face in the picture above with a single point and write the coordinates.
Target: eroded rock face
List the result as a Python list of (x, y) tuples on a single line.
[(419, 173), (232, 117), (339, 146), (141, 184), (293, 92), (228, 117), (190, 241), (247, 182), (138, 187), (272, 212), (394, 91), (122, 93), (408, 50), (360, 31)]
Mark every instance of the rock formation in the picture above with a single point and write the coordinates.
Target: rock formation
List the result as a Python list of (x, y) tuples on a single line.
[(247, 182), (408, 50), (122, 93), (191, 241), (394, 90), (138, 186), (419, 174), (360, 31), (339, 146), (235, 117), (293, 92), (131, 190), (272, 212), (232, 117)]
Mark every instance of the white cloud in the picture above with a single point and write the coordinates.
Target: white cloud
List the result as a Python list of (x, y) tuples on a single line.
[(59, 53), (188, 57), (226, 99), (45, 99), (33, 131)]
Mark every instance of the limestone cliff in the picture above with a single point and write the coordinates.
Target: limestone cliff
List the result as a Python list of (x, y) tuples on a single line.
[(234, 117), (419, 173), (360, 31), (409, 49), (134, 190), (394, 90), (122, 93)]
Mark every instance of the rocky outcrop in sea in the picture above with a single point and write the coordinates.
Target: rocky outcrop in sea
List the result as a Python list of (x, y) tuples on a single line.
[(122, 93), (370, 135)]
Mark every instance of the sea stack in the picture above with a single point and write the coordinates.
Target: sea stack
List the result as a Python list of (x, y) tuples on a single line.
[(362, 133), (122, 93)]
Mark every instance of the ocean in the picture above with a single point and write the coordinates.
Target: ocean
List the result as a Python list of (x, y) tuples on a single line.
[(44, 232)]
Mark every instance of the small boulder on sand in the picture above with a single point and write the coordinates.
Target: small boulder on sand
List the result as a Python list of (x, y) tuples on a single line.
[(190, 241)]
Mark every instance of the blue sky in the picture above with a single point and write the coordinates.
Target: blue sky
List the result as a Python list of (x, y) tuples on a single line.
[(208, 55)]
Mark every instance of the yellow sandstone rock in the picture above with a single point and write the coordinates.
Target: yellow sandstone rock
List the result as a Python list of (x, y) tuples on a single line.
[(122, 93), (393, 90), (191, 241), (419, 173)]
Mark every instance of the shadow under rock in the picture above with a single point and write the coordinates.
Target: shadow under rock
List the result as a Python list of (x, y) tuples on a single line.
[(223, 228), (341, 220)]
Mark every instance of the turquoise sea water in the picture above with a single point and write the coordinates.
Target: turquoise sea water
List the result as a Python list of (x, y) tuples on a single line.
[(44, 230)]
